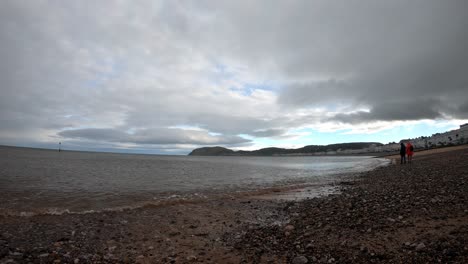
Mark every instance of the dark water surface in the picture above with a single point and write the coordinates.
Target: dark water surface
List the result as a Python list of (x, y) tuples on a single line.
[(45, 181)]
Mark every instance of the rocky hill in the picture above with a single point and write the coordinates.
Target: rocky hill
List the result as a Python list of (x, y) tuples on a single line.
[(212, 151), (307, 150)]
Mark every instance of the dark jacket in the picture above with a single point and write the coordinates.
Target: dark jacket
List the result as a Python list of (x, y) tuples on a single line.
[(402, 149)]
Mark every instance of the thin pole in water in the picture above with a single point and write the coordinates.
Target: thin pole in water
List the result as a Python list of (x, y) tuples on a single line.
[(60, 146)]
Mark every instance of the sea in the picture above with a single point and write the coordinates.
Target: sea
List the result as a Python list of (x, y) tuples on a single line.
[(39, 181)]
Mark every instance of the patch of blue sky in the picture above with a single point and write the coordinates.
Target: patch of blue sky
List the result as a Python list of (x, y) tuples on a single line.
[(116, 68), (222, 72), (186, 127), (394, 134), (246, 89), (246, 136), (266, 142)]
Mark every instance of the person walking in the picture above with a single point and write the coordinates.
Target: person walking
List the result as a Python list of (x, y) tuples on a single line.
[(402, 153), (409, 151)]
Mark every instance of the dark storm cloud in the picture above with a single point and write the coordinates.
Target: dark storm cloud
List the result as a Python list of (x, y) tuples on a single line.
[(358, 53), (409, 63), (389, 111)]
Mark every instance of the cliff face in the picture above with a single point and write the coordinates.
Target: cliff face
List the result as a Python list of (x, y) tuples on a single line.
[(307, 150)]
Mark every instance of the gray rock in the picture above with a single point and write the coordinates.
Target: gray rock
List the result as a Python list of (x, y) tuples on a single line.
[(300, 260), (420, 247)]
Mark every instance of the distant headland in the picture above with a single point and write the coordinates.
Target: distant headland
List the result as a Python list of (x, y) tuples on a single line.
[(307, 150), (449, 138)]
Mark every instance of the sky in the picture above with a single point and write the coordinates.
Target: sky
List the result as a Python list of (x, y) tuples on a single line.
[(165, 77)]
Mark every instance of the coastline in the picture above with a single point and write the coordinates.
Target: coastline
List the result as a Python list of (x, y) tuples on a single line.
[(415, 213)]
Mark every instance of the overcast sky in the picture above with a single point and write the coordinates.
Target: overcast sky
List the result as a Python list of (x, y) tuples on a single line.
[(169, 76)]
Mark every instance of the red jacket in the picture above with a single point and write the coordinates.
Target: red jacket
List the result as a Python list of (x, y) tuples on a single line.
[(408, 149)]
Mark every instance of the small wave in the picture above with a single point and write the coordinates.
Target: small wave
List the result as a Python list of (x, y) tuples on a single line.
[(173, 199)]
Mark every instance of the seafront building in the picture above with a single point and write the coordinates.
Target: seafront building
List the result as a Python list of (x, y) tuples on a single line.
[(450, 138)]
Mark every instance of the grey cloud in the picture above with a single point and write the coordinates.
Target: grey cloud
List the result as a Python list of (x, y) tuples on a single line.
[(148, 66), (359, 53), (268, 133), (408, 110), (159, 136)]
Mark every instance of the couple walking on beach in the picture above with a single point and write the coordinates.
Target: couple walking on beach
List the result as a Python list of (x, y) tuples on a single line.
[(407, 150)]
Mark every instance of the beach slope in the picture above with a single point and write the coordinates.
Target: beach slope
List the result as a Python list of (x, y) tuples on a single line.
[(413, 213)]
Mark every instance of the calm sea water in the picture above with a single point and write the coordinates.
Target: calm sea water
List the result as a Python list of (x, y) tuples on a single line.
[(45, 181)]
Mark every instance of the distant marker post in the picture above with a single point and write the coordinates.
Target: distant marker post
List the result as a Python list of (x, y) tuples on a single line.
[(60, 146)]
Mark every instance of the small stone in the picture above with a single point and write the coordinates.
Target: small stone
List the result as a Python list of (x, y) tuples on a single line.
[(45, 255), (287, 233), (192, 258), (420, 247), (407, 244), (309, 246), (331, 260), (174, 233), (76, 261), (300, 260), (289, 228)]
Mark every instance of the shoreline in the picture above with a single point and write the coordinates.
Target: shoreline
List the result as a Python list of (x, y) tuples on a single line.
[(413, 213)]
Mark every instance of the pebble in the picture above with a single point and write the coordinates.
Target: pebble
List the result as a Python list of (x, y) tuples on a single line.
[(300, 260), (289, 228), (420, 247)]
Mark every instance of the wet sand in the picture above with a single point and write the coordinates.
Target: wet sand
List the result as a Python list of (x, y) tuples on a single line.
[(414, 213)]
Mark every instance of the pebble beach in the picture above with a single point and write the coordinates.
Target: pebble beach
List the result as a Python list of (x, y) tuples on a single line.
[(413, 213)]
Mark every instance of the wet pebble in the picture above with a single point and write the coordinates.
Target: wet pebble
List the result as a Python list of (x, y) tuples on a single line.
[(300, 260)]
